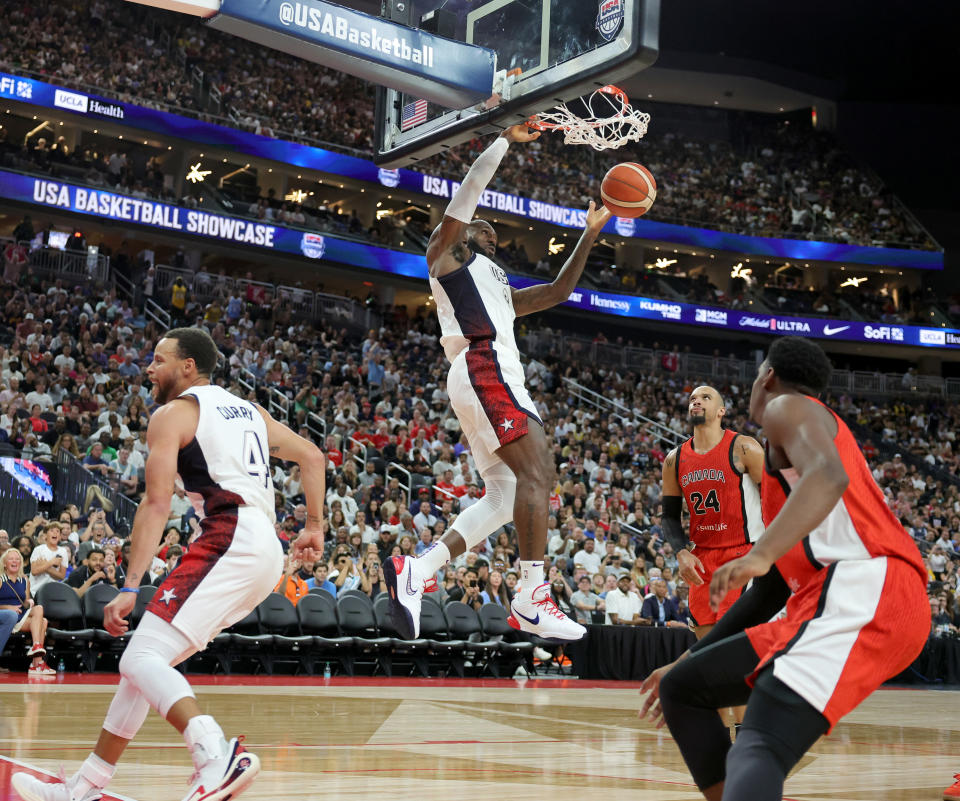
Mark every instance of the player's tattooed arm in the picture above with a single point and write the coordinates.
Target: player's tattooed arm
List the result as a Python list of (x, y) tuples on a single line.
[(748, 457)]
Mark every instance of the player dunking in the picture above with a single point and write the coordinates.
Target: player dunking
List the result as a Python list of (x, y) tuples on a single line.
[(717, 472), (220, 445), (857, 615), (477, 307)]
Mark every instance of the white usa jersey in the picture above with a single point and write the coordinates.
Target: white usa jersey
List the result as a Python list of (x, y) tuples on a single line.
[(474, 303), (226, 464)]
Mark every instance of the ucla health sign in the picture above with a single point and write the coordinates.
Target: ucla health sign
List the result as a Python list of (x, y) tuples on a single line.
[(204, 133)]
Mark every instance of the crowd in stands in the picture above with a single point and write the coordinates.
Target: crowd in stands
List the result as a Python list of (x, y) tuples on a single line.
[(776, 180), (71, 380)]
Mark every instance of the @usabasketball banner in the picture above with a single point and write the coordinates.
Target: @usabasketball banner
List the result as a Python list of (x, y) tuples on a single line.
[(104, 204), (201, 133)]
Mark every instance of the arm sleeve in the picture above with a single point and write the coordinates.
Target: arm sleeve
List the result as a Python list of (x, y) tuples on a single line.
[(464, 203), (672, 528), (762, 601)]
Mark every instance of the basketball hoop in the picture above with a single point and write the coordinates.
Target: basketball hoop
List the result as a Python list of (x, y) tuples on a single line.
[(610, 121)]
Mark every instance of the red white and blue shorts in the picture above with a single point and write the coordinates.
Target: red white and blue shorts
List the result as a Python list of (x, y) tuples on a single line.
[(231, 567), (487, 393)]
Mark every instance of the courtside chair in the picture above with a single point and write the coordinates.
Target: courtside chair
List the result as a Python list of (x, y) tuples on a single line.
[(403, 651), (356, 619), (514, 652), (67, 631), (464, 623), (448, 654), (318, 619)]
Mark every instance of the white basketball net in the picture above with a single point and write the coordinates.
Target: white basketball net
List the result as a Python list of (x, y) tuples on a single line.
[(612, 121)]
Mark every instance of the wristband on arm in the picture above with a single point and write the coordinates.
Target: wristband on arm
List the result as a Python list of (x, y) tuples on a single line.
[(672, 528), (134, 590)]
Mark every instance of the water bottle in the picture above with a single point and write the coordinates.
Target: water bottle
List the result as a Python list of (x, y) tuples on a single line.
[(326, 670), (61, 667)]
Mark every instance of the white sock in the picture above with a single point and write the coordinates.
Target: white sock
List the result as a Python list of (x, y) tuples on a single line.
[(531, 575), (93, 773), (432, 559), (205, 732)]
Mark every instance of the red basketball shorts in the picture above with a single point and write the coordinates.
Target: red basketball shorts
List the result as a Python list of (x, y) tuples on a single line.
[(712, 559), (857, 624)]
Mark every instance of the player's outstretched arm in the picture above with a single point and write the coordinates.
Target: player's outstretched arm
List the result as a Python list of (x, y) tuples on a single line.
[(798, 427), (285, 444), (545, 296), (449, 238)]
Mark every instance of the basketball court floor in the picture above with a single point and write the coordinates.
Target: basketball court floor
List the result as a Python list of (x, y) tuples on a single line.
[(463, 739)]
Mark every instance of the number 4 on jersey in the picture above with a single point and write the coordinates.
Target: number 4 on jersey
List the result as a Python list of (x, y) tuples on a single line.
[(253, 458), (701, 504)]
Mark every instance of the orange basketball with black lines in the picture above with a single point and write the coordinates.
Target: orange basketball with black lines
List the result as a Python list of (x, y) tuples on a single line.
[(628, 190)]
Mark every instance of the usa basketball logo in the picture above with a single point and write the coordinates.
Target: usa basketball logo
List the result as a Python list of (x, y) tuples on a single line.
[(312, 246), (610, 18), (389, 178)]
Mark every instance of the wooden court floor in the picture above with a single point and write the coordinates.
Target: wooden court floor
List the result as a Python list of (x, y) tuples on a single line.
[(466, 740)]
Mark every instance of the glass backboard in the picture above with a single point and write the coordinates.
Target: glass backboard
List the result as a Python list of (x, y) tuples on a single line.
[(563, 49)]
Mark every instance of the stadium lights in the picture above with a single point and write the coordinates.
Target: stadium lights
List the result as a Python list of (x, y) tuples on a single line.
[(662, 264), (739, 271), (554, 247), (296, 195), (853, 282), (196, 175)]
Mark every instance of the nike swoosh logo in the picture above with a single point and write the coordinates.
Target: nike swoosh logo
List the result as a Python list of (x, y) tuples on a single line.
[(828, 331), (409, 583), (532, 620)]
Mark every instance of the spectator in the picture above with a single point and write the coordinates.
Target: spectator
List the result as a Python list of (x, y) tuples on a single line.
[(658, 610), (623, 605), (49, 560), (90, 573), (15, 596), (495, 591), (585, 601), (319, 579)]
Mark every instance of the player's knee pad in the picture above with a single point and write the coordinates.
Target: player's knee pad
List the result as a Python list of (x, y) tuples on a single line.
[(492, 511), (147, 663)]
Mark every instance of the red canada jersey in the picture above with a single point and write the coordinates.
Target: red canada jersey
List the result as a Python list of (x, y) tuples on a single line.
[(860, 526), (724, 504)]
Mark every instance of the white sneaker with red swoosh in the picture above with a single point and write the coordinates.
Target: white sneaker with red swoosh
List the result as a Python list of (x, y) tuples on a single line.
[(405, 590), (222, 779), (536, 613)]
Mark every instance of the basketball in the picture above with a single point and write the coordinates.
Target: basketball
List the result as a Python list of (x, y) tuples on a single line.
[(628, 189)]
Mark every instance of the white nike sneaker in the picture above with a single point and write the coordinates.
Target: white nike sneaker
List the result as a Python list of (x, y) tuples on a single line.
[(405, 590), (30, 788), (538, 614), (224, 778)]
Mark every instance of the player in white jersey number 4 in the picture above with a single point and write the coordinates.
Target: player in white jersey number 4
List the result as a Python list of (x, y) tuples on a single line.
[(477, 306), (220, 445)]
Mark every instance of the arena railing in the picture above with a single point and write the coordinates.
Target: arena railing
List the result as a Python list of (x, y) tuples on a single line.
[(154, 311), (317, 427), (70, 265), (73, 483), (545, 344), (396, 467), (613, 408)]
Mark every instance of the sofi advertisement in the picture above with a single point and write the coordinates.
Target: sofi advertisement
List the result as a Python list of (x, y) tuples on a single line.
[(204, 133), (112, 206)]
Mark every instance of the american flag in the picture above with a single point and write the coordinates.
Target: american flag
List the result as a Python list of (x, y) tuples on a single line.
[(413, 114)]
